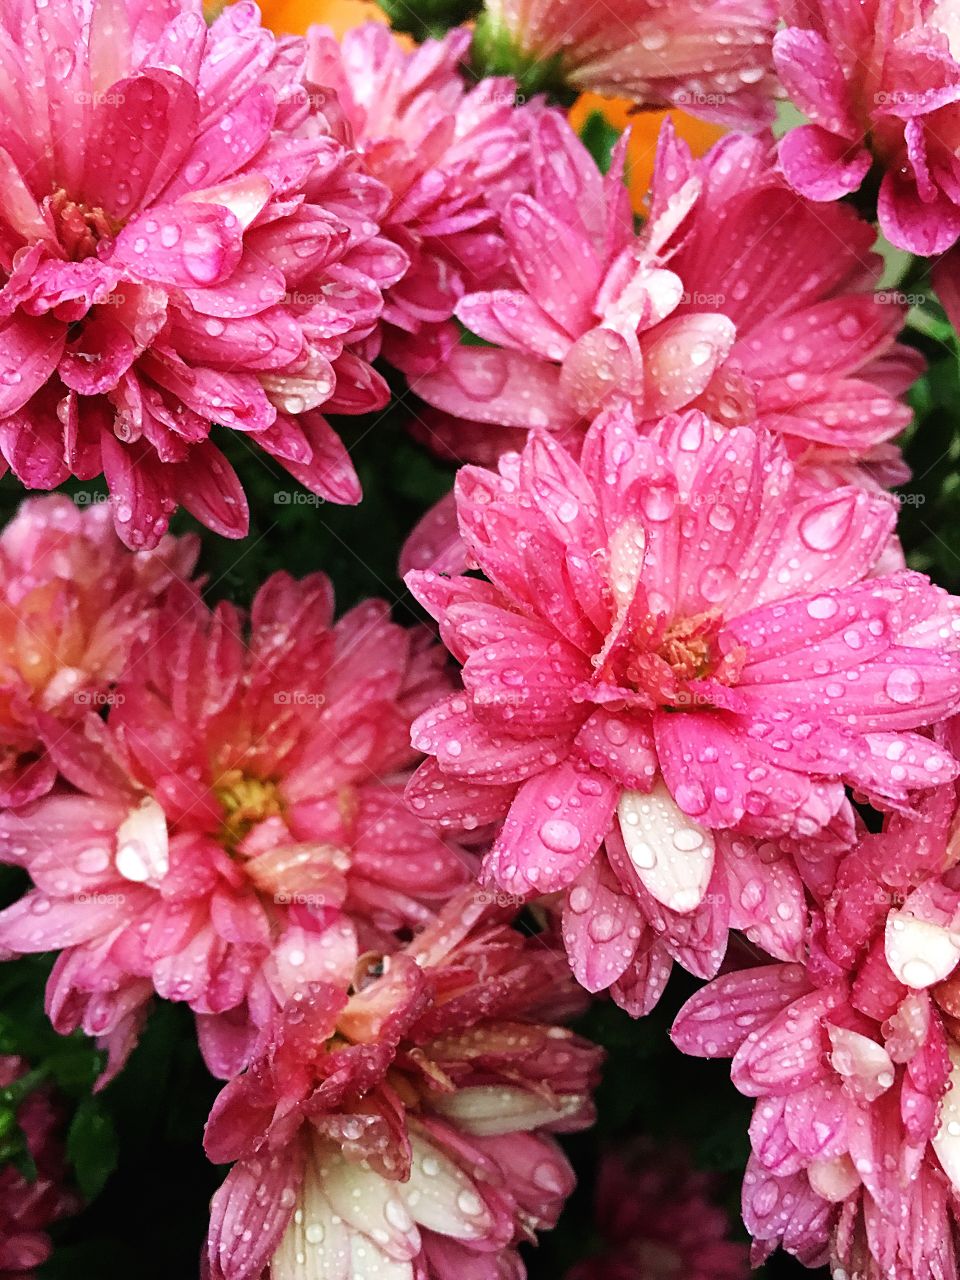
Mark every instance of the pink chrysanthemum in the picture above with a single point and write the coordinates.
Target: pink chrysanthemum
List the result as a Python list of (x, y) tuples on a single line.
[(711, 57), (72, 601), (673, 634), (443, 152), (658, 1219), (855, 1062), (28, 1206), (180, 245), (877, 81), (240, 797), (406, 1130), (739, 297)]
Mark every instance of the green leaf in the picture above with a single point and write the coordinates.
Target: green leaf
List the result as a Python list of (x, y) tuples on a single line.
[(92, 1147), (599, 136)]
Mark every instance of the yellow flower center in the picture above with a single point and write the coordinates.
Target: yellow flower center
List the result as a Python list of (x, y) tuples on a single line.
[(246, 803)]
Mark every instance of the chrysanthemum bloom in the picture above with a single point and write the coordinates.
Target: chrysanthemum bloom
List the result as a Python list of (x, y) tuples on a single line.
[(180, 245), (405, 1131), (879, 82), (672, 634), (739, 297), (711, 57), (239, 797), (855, 1062), (73, 600), (444, 153), (28, 1206), (658, 1218)]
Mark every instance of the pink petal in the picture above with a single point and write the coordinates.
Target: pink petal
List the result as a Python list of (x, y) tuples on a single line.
[(926, 228), (180, 244), (500, 387), (602, 927), (716, 1021), (464, 748), (553, 829), (210, 490), (814, 79), (512, 319), (556, 264), (250, 1212), (30, 347)]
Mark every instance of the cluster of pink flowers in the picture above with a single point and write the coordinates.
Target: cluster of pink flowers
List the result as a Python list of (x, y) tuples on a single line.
[(854, 1059), (658, 1218), (700, 694), (29, 1205)]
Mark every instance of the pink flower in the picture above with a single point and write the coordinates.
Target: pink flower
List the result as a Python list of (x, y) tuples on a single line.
[(444, 152), (180, 243), (242, 796), (854, 1061), (680, 654), (711, 57), (406, 1129), (739, 297), (29, 1206), (658, 1218), (877, 82), (72, 601)]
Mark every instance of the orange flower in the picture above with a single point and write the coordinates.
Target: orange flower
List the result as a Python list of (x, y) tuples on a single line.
[(292, 17), (645, 128)]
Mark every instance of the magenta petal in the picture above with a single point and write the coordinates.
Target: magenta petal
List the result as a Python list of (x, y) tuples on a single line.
[(602, 927), (553, 829), (822, 165), (813, 77), (718, 1019), (435, 542), (329, 471), (922, 227), (467, 749), (504, 388), (180, 244), (250, 1212), (30, 347), (210, 490), (124, 170)]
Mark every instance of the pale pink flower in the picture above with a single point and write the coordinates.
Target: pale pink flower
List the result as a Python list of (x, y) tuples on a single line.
[(406, 1130), (28, 1206), (181, 244), (677, 652), (738, 297), (241, 796), (444, 152), (658, 1218), (878, 82), (854, 1061), (711, 57), (72, 601)]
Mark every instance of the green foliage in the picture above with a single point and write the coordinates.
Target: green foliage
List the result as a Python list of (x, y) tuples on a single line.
[(92, 1147)]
